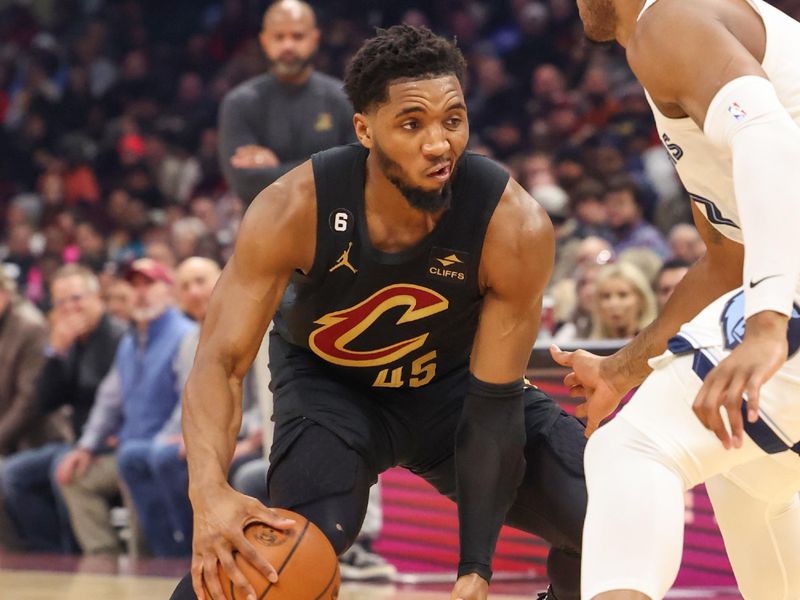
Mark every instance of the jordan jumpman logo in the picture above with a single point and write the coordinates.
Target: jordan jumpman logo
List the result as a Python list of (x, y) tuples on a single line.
[(344, 261)]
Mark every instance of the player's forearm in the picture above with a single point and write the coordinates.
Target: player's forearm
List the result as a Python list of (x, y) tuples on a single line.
[(211, 421), (489, 467), (706, 281), (747, 117)]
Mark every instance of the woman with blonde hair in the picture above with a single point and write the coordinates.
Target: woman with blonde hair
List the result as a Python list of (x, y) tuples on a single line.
[(624, 302)]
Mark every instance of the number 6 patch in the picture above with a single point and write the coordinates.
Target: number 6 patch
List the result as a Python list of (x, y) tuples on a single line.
[(341, 220)]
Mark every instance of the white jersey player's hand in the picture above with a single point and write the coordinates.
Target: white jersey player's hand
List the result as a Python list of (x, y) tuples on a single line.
[(740, 376), (586, 380)]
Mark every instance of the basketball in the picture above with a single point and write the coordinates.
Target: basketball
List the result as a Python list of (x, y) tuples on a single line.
[(303, 557)]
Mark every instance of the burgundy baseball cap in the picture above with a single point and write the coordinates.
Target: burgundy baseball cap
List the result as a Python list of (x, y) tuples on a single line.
[(152, 269)]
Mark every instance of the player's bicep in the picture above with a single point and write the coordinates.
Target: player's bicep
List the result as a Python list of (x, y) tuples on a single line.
[(266, 254), (517, 261), (685, 59)]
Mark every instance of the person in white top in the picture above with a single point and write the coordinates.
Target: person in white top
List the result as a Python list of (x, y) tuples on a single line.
[(722, 403)]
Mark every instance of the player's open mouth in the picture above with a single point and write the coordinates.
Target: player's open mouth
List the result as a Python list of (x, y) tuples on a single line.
[(441, 174)]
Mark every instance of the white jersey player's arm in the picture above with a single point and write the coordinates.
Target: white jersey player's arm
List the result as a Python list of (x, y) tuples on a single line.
[(703, 59), (747, 116), (727, 93)]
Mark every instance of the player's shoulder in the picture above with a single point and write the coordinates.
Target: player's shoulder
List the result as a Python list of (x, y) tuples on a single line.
[(280, 218), (519, 223), (329, 164), (288, 199), (480, 176), (520, 242), (669, 39)]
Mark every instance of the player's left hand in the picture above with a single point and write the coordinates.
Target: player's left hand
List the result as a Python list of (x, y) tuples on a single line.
[(749, 366), (470, 587)]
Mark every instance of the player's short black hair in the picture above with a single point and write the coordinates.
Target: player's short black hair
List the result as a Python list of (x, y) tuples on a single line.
[(399, 52)]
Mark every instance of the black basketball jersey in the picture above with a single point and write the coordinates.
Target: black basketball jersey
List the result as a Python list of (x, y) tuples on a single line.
[(391, 320)]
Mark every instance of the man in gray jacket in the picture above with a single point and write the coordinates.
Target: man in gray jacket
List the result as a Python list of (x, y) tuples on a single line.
[(23, 335), (271, 123)]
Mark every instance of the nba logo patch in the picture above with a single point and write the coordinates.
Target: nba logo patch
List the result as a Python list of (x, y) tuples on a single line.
[(737, 112)]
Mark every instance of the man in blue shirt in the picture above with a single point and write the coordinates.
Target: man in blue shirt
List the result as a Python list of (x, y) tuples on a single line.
[(133, 402)]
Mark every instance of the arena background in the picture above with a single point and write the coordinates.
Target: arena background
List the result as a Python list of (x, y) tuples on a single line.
[(97, 95)]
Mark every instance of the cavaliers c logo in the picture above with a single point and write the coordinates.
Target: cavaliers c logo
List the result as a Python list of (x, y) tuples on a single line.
[(342, 327)]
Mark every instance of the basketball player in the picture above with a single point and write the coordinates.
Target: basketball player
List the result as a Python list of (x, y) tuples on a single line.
[(723, 80), (415, 273)]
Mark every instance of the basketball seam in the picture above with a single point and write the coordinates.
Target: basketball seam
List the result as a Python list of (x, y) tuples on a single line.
[(286, 560), (330, 582)]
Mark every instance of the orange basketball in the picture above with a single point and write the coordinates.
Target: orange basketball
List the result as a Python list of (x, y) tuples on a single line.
[(303, 557)]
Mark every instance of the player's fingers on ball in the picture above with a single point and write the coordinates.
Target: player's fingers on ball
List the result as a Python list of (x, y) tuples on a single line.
[(240, 582), (197, 577), (270, 517), (211, 577), (250, 554)]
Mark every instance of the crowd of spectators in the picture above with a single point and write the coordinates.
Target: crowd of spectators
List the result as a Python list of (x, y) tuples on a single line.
[(109, 137)]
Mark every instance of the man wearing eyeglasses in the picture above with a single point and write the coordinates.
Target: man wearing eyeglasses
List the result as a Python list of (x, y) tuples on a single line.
[(81, 346)]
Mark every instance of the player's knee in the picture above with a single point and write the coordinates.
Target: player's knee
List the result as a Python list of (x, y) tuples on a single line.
[(340, 534), (602, 450)]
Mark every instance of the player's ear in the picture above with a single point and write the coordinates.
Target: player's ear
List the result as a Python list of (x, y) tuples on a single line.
[(363, 129)]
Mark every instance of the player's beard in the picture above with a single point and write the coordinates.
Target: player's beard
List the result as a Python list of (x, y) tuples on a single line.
[(427, 200), (599, 19)]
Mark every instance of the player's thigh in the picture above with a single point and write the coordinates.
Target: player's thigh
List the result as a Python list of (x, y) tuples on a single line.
[(758, 512), (662, 410), (316, 474), (551, 501)]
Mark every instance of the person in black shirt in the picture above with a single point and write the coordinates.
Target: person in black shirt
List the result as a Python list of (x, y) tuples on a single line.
[(413, 274), (82, 344)]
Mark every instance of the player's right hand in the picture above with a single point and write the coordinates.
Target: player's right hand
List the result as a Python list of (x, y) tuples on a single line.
[(587, 380), (220, 517)]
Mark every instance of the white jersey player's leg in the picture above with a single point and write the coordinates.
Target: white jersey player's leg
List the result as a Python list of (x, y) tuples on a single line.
[(637, 468), (758, 510)]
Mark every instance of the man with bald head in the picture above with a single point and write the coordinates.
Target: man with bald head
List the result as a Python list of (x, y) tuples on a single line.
[(271, 123)]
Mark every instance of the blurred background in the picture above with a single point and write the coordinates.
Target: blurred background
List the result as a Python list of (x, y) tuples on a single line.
[(111, 150)]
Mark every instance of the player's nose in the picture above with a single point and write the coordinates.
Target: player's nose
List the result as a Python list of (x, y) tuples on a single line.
[(436, 143)]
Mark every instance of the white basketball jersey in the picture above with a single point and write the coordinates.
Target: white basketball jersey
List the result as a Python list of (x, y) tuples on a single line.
[(705, 170)]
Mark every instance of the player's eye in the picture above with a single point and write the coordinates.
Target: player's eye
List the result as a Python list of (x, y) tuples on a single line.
[(410, 125), (453, 122)]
